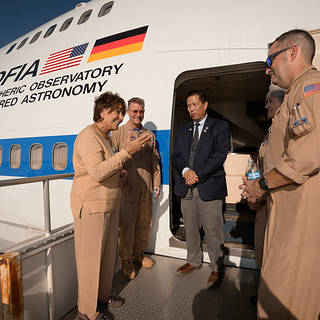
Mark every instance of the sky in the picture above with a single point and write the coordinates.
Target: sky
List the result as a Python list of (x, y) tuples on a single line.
[(18, 17)]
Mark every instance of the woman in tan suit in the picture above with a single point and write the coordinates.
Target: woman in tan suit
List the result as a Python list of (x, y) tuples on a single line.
[(95, 203)]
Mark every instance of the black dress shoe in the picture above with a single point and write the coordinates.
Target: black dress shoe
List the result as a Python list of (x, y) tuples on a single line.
[(254, 300), (113, 302), (100, 316)]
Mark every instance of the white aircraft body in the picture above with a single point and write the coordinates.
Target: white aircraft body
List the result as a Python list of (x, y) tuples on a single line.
[(156, 50)]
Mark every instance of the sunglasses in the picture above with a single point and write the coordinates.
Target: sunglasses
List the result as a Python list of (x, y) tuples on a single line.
[(272, 56)]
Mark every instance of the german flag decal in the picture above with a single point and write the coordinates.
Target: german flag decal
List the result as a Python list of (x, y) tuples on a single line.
[(118, 44)]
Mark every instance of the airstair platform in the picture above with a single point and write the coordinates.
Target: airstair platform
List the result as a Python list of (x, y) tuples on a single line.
[(161, 293)]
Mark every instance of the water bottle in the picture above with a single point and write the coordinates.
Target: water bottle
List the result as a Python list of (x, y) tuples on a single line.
[(154, 199), (252, 171)]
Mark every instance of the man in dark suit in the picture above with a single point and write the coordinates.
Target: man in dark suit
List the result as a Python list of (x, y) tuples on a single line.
[(200, 149)]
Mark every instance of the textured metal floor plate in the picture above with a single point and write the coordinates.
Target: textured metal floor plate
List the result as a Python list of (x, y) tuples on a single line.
[(162, 294)]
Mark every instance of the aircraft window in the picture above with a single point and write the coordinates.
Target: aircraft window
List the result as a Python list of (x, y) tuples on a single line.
[(50, 31), (105, 9), (66, 24), (35, 157), (22, 43), (15, 156), (0, 156), (60, 156), (85, 17), (11, 48), (35, 37)]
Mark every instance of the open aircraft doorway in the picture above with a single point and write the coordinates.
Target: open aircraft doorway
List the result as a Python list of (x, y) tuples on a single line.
[(236, 93)]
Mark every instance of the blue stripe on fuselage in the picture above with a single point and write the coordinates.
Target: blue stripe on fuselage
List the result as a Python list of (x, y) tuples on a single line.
[(48, 143)]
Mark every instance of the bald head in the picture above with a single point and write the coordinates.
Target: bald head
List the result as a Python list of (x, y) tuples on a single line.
[(298, 37)]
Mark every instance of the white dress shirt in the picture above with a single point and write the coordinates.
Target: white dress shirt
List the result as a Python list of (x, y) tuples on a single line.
[(200, 128)]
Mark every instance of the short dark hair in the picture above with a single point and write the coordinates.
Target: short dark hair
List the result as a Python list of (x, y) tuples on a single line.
[(136, 100), (202, 95), (301, 38), (108, 100), (278, 94)]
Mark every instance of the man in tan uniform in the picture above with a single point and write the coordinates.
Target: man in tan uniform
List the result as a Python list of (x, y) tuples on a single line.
[(274, 99), (143, 179), (290, 279)]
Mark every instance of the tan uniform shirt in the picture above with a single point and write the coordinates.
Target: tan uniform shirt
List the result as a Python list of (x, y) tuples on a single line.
[(97, 172), (144, 164), (290, 278)]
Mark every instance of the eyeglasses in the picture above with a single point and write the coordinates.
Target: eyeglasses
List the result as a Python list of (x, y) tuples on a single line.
[(137, 111), (272, 56)]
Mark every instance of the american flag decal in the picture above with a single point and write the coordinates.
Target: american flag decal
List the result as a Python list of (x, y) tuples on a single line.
[(63, 59), (311, 89)]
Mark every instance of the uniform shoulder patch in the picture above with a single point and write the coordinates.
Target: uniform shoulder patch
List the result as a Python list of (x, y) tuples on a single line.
[(299, 122), (311, 89)]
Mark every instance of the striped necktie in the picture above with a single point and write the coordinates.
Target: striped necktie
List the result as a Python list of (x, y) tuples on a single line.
[(195, 141)]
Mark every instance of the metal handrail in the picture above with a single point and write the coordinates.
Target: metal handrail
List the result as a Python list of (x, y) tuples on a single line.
[(46, 199), (46, 196), (12, 182)]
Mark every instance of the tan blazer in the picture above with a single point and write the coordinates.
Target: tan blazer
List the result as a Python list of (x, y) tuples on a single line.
[(97, 171)]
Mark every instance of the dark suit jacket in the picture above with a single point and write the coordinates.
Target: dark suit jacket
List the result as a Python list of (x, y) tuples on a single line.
[(211, 152)]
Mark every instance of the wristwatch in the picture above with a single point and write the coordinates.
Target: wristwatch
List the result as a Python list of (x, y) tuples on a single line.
[(263, 183)]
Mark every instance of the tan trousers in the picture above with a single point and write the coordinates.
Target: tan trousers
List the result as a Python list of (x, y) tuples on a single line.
[(135, 224), (96, 237), (259, 231)]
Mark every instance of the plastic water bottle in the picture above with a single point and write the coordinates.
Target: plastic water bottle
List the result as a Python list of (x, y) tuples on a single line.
[(252, 171), (154, 198)]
